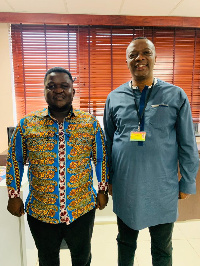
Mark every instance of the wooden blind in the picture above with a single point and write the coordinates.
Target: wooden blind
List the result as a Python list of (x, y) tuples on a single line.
[(96, 57)]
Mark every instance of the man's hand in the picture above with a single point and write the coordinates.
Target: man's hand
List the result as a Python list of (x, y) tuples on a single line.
[(183, 195), (16, 206), (102, 201), (110, 189)]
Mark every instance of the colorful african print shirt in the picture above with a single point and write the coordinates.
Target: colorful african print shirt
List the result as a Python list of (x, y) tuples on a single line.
[(60, 158)]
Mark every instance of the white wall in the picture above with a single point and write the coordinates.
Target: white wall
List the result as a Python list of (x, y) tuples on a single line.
[(16, 243), (6, 101)]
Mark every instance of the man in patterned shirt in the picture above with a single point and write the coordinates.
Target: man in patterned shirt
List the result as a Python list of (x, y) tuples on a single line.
[(59, 143)]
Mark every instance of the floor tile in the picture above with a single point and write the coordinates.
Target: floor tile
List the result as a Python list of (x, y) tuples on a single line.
[(104, 254), (190, 229), (65, 258), (104, 245), (195, 243), (177, 232), (184, 254), (143, 253), (104, 233), (144, 235), (186, 246)]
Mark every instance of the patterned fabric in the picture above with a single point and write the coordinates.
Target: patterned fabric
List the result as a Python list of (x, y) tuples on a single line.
[(60, 169)]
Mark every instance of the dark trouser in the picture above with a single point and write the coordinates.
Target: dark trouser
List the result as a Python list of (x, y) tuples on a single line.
[(161, 244), (48, 238)]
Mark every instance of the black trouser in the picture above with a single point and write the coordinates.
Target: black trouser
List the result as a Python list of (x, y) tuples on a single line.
[(48, 238), (161, 244)]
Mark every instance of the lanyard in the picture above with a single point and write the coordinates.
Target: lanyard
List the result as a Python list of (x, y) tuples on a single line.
[(145, 105)]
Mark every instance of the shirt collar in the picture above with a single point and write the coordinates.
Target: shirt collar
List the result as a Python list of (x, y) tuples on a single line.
[(136, 88), (46, 112)]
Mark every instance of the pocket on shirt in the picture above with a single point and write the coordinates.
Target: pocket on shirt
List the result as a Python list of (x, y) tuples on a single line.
[(159, 116)]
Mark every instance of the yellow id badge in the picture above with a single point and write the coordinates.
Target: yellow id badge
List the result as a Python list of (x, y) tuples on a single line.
[(137, 136)]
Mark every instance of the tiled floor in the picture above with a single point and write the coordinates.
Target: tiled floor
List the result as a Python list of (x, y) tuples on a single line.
[(186, 246)]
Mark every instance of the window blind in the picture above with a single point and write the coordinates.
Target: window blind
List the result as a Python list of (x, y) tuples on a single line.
[(96, 57)]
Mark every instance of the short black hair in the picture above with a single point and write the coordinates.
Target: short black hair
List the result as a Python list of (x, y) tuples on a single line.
[(142, 38), (139, 38), (58, 69)]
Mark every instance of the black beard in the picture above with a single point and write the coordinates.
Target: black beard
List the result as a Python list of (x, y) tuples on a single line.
[(55, 108)]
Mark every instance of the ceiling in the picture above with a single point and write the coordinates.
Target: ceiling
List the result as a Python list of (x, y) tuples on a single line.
[(184, 8)]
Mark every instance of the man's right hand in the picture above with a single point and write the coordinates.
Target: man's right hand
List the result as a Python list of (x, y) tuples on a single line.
[(16, 206)]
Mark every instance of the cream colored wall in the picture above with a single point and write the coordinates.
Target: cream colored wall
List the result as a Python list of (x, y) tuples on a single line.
[(6, 102)]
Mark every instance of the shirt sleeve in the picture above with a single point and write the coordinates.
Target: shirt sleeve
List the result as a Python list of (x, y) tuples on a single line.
[(100, 158), (187, 149), (15, 162), (110, 129)]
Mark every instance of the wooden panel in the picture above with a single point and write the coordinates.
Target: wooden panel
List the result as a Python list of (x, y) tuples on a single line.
[(190, 208), (3, 157), (114, 20)]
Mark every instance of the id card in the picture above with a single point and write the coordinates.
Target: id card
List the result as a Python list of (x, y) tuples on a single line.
[(137, 136)]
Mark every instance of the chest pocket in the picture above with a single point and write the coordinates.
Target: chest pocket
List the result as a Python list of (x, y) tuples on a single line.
[(159, 115)]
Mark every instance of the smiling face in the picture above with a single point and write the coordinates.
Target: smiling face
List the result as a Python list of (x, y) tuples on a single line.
[(59, 91), (141, 57)]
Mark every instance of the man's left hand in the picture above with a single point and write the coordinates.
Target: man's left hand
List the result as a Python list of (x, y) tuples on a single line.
[(183, 195), (102, 200)]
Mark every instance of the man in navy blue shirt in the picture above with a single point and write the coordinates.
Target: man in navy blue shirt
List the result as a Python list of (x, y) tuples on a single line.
[(149, 131)]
